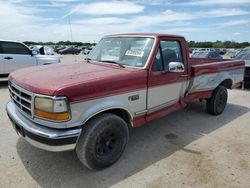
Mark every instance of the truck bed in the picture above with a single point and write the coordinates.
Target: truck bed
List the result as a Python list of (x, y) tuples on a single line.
[(195, 61), (207, 66)]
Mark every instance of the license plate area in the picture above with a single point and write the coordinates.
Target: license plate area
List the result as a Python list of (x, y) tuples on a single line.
[(19, 129)]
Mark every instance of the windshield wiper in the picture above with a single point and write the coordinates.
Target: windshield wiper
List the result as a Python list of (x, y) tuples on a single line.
[(107, 61)]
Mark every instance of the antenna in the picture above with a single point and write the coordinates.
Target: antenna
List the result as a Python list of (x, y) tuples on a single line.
[(71, 36)]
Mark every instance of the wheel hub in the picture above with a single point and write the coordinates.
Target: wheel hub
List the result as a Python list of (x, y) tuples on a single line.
[(106, 143)]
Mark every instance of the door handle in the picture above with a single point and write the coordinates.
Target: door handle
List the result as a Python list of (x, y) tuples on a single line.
[(8, 58), (184, 75)]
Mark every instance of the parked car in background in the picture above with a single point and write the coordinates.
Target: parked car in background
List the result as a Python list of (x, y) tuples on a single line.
[(83, 47), (231, 53), (190, 50), (126, 81), (208, 55), (223, 51), (217, 50), (43, 50), (70, 50), (245, 55), (48, 50), (201, 50), (16, 55), (87, 50), (57, 49), (35, 47)]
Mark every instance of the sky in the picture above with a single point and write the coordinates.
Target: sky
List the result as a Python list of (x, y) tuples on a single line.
[(90, 20)]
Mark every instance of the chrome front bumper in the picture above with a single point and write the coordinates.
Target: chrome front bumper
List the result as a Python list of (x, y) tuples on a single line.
[(40, 136)]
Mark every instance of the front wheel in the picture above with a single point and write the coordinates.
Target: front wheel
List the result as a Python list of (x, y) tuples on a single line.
[(217, 103), (102, 141)]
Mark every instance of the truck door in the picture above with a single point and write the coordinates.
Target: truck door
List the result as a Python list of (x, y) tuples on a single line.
[(16, 56), (165, 87)]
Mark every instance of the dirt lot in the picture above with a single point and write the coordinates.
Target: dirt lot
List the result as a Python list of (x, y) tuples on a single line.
[(188, 148)]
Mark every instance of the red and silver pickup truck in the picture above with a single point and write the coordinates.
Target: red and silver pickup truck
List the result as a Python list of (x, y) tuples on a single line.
[(126, 81)]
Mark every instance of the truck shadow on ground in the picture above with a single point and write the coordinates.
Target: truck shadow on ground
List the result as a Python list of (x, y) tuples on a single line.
[(147, 145)]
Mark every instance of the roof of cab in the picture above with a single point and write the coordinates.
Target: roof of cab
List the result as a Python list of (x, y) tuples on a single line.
[(5, 40), (157, 35)]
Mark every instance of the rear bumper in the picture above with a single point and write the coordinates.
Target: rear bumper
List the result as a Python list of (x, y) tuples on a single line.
[(247, 76), (40, 136)]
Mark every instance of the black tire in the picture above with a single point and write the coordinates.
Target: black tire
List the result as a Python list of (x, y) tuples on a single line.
[(102, 141), (217, 103)]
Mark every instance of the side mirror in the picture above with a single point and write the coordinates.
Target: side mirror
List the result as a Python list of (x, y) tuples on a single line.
[(176, 67), (34, 52)]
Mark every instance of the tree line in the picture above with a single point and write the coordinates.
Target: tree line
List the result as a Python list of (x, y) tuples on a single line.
[(191, 44), (218, 44), (60, 43)]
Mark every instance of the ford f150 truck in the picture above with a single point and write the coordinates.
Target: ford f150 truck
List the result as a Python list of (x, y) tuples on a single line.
[(126, 81), (16, 55)]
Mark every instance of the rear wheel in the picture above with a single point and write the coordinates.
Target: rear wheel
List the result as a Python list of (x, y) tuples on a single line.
[(102, 141), (217, 103)]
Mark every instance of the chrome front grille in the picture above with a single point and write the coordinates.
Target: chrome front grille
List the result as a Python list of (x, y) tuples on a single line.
[(21, 98)]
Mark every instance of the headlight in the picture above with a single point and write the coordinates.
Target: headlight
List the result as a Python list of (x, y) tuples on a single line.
[(51, 109)]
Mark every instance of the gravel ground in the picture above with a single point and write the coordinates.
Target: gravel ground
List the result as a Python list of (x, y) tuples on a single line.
[(188, 148)]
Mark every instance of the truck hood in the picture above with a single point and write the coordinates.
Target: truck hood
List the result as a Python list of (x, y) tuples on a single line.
[(80, 80)]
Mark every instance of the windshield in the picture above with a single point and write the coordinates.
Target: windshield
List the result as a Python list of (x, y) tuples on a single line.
[(243, 54), (130, 51), (200, 54)]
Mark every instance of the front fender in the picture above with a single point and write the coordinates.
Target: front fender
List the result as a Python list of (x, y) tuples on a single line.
[(84, 110), (88, 109)]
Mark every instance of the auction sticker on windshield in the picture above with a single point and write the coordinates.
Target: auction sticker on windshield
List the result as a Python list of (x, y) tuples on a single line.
[(136, 53)]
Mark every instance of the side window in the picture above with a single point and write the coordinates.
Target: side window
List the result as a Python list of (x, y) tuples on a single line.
[(171, 52), (14, 48), (158, 65)]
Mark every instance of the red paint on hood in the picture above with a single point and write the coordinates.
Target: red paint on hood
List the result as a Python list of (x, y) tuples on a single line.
[(80, 81)]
